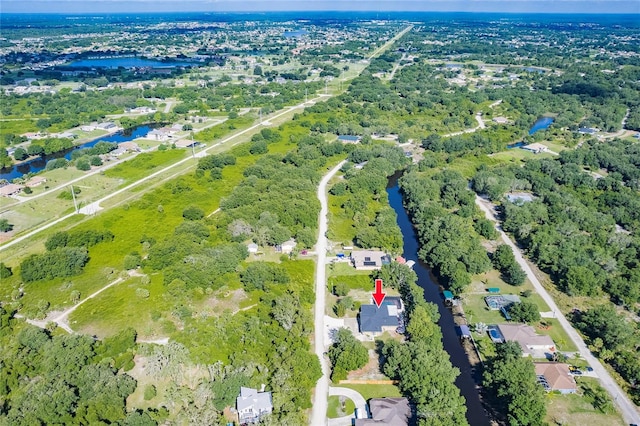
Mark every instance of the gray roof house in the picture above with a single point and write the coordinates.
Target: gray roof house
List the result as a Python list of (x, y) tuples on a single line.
[(388, 317), (369, 259), (252, 405), (388, 412)]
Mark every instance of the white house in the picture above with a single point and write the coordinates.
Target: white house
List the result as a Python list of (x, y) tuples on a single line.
[(252, 405)]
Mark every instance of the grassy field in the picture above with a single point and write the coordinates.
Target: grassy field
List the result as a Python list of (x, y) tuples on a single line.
[(369, 391), (335, 409), (578, 409)]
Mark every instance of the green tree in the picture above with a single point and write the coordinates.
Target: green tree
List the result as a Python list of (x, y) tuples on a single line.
[(346, 354), (5, 271), (5, 226), (524, 311), (511, 380)]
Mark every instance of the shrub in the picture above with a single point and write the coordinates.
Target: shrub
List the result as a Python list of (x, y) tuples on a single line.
[(193, 213)]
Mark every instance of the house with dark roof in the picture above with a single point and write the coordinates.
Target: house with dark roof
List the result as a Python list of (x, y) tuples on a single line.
[(388, 412), (376, 320), (252, 405)]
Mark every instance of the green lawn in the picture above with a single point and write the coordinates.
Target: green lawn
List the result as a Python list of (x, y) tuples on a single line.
[(374, 391), (335, 410), (578, 409)]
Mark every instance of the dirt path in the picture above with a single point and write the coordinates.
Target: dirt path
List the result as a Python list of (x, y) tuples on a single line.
[(627, 408)]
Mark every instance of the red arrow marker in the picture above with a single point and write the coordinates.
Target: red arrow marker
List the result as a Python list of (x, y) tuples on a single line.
[(378, 296)]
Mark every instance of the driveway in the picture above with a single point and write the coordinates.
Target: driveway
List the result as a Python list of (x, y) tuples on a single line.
[(358, 400), (627, 408)]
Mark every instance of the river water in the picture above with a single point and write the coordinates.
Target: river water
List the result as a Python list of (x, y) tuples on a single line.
[(476, 415), (38, 164)]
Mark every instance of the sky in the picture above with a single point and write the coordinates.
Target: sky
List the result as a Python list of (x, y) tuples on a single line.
[(508, 6)]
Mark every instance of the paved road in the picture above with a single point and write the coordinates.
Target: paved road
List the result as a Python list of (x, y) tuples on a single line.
[(319, 412), (95, 206), (358, 400), (627, 408)]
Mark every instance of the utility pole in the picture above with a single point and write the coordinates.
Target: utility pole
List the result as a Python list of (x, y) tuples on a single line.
[(305, 95), (193, 146), (73, 195)]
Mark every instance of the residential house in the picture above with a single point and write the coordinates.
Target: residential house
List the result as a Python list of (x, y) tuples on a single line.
[(519, 197), (349, 138), (288, 246), (368, 260), (388, 412), (588, 130), (252, 405), (536, 148), (556, 377), (376, 320), (107, 125), (186, 143), (532, 344), (35, 181), (10, 189), (500, 120)]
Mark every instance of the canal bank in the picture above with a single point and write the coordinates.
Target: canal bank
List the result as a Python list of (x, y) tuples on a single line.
[(39, 164), (470, 377)]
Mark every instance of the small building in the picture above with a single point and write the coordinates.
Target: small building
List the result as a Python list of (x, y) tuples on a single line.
[(288, 246), (464, 332), (349, 138), (388, 412), (10, 189), (107, 125), (129, 146), (388, 317), (252, 248), (252, 405), (186, 143), (35, 181), (519, 197), (556, 377), (501, 120), (532, 344), (588, 130), (536, 148), (368, 260)]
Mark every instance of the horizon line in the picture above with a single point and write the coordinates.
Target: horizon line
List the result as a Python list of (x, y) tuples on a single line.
[(321, 11)]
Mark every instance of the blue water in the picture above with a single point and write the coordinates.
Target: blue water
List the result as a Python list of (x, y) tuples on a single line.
[(126, 63), (469, 378), (40, 163), (296, 33), (541, 124)]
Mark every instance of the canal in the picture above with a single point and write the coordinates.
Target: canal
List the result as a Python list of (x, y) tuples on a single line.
[(476, 414), (40, 163)]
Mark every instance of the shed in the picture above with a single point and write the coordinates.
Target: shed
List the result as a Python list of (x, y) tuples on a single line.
[(448, 296), (252, 248), (464, 331)]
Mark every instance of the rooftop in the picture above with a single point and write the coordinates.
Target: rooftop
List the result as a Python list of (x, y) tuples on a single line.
[(388, 412), (373, 319)]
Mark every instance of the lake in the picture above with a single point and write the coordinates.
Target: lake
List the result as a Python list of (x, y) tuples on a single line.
[(132, 62), (541, 124), (38, 164), (466, 381), (295, 33)]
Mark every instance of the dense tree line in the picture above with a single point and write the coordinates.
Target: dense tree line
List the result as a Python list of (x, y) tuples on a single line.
[(421, 364), (86, 239), (442, 210), (511, 384), (61, 262), (63, 379)]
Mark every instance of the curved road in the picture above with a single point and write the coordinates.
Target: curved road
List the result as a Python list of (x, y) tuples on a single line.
[(358, 400), (627, 408), (319, 412)]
